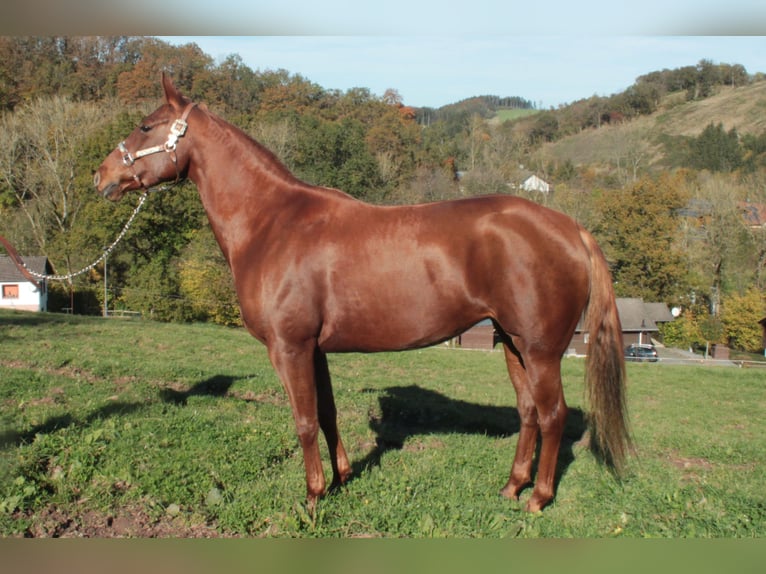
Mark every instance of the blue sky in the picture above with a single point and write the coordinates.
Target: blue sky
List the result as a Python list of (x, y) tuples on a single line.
[(437, 70), (434, 52)]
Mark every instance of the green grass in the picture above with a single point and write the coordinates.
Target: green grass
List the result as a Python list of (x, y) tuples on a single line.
[(506, 115), (188, 428)]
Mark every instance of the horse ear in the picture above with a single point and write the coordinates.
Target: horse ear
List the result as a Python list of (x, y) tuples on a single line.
[(172, 95)]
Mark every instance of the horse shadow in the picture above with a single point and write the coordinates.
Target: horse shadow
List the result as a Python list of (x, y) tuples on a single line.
[(409, 411), (12, 437), (217, 386)]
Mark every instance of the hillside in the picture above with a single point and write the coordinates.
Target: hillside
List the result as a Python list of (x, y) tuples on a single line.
[(743, 108)]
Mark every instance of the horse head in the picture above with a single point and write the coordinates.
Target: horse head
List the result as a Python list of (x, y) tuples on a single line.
[(154, 153)]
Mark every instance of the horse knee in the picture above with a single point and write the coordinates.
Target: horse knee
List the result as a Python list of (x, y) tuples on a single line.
[(553, 421), (528, 415), (308, 431)]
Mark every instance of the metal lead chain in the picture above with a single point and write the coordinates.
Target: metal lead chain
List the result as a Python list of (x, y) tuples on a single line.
[(104, 255)]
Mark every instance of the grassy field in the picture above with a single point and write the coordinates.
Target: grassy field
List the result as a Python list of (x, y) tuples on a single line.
[(505, 115), (134, 428)]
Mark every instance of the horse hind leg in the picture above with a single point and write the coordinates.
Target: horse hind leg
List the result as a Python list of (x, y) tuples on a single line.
[(521, 469), (328, 421), (545, 386), (540, 401)]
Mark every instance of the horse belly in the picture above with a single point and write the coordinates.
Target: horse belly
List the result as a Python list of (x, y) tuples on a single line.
[(395, 315)]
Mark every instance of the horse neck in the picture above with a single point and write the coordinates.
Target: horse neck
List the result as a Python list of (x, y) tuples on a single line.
[(240, 182), (225, 160)]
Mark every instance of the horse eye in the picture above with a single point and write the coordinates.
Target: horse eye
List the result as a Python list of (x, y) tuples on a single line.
[(144, 128)]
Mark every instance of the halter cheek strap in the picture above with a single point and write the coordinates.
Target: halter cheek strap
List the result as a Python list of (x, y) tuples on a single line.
[(177, 131)]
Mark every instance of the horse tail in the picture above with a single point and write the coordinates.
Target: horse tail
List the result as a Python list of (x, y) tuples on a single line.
[(605, 378)]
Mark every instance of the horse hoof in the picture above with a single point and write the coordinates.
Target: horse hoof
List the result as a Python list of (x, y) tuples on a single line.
[(509, 493), (536, 505)]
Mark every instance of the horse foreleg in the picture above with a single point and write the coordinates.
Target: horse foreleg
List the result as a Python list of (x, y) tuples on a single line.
[(328, 421), (521, 470), (294, 365)]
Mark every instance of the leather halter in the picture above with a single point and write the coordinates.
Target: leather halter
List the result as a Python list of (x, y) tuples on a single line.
[(177, 131)]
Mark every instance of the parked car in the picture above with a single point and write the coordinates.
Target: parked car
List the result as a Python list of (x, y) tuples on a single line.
[(637, 352)]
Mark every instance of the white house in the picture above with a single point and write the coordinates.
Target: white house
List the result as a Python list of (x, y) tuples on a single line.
[(534, 183), (18, 292)]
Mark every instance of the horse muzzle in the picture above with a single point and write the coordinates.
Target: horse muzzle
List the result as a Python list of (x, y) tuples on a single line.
[(111, 191)]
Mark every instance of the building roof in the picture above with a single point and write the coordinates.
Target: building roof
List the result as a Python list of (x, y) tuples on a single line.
[(634, 316), (535, 183), (637, 316), (9, 273), (659, 312), (753, 213)]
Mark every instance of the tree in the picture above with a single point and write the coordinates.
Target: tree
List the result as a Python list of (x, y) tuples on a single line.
[(753, 201), (740, 317), (684, 332), (544, 129), (715, 240), (293, 95), (637, 227), (31, 68), (640, 99), (234, 89), (189, 66), (392, 138), (428, 184), (630, 151), (475, 139), (205, 281), (150, 252), (334, 154), (43, 170), (716, 149)]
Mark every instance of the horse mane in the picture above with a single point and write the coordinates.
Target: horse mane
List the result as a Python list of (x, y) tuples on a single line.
[(267, 159), (252, 147)]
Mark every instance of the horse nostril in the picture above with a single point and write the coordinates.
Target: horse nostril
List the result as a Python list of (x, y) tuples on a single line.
[(96, 179)]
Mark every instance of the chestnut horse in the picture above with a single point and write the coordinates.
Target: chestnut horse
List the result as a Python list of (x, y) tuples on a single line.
[(317, 271)]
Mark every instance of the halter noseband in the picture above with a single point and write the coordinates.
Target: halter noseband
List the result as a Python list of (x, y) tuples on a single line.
[(177, 131)]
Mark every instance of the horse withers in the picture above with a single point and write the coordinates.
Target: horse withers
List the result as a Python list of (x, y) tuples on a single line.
[(317, 271)]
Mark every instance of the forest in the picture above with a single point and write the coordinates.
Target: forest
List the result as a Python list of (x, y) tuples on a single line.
[(681, 215)]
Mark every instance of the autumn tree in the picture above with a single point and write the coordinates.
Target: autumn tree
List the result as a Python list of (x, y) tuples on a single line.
[(684, 332), (188, 64), (740, 317), (393, 137), (636, 228), (206, 284), (289, 94), (32, 67)]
